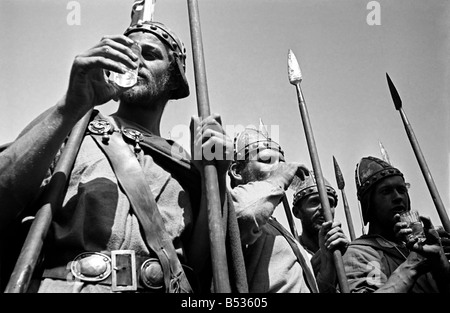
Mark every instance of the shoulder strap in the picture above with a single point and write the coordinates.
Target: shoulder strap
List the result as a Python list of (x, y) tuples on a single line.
[(164, 153), (170, 156), (309, 276), (131, 178)]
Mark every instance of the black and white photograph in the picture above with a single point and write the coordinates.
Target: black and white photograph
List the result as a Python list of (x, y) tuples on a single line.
[(212, 146)]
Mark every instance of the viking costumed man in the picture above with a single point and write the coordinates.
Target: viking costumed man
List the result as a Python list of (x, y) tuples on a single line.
[(259, 176), (320, 238), (133, 217), (386, 259)]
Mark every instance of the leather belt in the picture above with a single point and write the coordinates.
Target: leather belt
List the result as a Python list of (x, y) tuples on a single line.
[(123, 270)]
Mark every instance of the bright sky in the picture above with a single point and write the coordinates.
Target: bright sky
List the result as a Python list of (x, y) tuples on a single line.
[(344, 47)]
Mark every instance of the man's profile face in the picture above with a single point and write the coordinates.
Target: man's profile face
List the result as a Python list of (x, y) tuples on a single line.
[(310, 211), (260, 165), (153, 75), (389, 197)]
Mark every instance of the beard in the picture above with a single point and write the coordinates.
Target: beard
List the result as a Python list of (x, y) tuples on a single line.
[(147, 90)]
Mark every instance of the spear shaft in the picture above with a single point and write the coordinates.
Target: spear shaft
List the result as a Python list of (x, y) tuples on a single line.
[(216, 229), (341, 185), (420, 158), (31, 249), (290, 219), (348, 216), (295, 79)]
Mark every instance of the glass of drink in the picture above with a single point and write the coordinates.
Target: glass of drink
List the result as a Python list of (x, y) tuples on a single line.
[(129, 78), (412, 218)]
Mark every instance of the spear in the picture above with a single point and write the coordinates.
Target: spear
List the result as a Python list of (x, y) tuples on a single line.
[(384, 153), (386, 158), (419, 156), (216, 229), (295, 78), (290, 219), (341, 184), (31, 249)]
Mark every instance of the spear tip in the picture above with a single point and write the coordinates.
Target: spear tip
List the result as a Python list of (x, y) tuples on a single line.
[(384, 153), (339, 178), (394, 94), (294, 72)]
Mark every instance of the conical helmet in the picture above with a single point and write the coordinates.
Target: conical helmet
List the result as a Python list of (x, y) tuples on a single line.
[(369, 171), (304, 188), (142, 20), (252, 140)]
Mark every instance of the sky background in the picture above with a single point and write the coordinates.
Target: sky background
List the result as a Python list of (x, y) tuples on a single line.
[(343, 60)]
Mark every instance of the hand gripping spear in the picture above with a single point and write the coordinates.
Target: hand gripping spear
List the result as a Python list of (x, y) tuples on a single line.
[(216, 229), (341, 184), (420, 158), (295, 78)]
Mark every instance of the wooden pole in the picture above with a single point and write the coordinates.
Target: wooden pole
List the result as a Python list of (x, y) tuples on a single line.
[(31, 250), (341, 185), (290, 219), (420, 158), (216, 228), (295, 79)]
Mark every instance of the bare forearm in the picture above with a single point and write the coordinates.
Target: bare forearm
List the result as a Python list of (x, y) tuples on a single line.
[(24, 164), (326, 276)]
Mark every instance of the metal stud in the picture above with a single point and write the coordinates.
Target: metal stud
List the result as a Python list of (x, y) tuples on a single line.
[(101, 127), (134, 135)]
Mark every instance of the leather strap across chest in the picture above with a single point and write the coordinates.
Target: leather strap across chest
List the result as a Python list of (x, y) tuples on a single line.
[(308, 274), (131, 178)]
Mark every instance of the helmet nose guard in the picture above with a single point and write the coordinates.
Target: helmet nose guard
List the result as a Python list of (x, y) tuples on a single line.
[(175, 45)]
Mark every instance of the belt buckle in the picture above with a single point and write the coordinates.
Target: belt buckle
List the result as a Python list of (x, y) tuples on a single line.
[(123, 269), (91, 266), (151, 274)]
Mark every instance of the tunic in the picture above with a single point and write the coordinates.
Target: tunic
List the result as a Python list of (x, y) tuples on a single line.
[(370, 260), (271, 264)]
